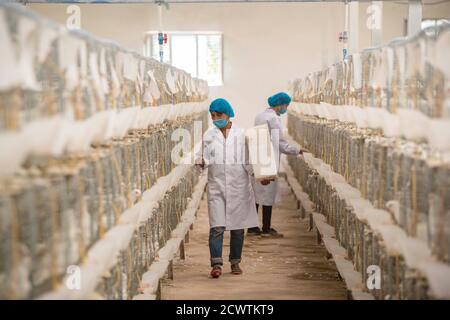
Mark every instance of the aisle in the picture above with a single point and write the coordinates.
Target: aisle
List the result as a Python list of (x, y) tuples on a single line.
[(293, 267)]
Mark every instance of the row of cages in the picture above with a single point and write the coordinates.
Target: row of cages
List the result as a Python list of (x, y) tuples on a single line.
[(55, 206), (382, 186), (52, 215), (393, 174), (364, 247), (409, 73), (50, 70), (124, 279)]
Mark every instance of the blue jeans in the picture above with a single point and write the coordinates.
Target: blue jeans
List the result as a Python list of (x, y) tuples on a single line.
[(216, 243)]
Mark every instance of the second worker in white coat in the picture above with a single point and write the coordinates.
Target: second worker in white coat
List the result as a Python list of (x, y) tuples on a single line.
[(266, 194)]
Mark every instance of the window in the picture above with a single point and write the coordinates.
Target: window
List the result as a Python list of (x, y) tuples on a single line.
[(200, 54)]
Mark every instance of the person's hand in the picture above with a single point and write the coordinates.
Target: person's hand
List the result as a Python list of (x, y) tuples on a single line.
[(200, 163), (265, 182), (303, 151)]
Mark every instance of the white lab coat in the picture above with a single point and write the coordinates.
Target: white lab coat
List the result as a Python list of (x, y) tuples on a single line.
[(267, 195), (231, 200)]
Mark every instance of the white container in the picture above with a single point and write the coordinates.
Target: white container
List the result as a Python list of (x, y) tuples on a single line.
[(261, 153)]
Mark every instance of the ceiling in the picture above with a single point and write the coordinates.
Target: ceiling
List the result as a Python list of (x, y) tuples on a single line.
[(424, 2)]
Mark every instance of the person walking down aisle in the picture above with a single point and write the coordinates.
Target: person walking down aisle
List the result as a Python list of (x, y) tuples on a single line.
[(231, 200), (266, 194)]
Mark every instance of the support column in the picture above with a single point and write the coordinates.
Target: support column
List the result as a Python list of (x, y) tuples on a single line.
[(414, 17), (375, 23), (326, 37), (346, 29), (353, 26)]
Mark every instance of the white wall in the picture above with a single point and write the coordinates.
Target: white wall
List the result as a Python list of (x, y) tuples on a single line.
[(265, 44), (394, 16)]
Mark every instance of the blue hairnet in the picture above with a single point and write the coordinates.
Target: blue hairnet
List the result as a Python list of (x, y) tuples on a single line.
[(279, 99), (222, 106)]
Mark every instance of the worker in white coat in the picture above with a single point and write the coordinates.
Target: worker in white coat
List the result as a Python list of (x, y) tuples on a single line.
[(231, 201), (266, 194)]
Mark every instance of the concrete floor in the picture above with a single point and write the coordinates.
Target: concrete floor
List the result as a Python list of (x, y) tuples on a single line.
[(294, 267)]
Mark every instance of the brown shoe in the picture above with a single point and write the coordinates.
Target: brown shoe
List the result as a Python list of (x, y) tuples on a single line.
[(235, 269), (216, 271)]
